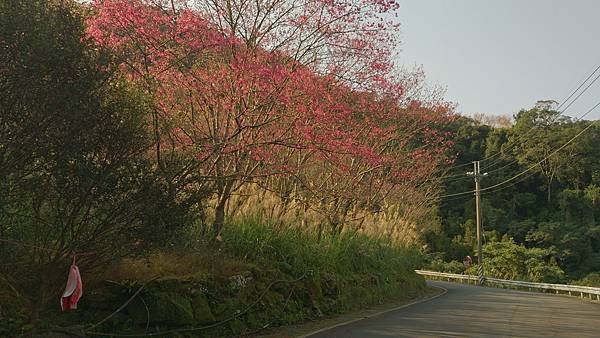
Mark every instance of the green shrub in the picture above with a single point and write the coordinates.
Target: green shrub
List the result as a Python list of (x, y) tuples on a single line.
[(592, 279), (507, 260), (449, 267)]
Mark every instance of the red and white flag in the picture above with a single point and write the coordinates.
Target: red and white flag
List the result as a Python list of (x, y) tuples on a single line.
[(73, 290)]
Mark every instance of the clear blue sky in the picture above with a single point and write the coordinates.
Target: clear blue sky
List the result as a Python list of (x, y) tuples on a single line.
[(498, 56)]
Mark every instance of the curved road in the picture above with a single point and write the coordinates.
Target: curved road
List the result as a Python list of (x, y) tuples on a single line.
[(472, 311)]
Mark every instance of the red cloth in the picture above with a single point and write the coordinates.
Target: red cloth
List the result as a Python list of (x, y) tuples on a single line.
[(73, 290)]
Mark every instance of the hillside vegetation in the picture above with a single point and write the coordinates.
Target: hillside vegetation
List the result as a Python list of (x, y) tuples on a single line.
[(541, 226), (203, 168)]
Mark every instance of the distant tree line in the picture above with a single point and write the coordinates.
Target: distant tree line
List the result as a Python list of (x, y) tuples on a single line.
[(552, 209)]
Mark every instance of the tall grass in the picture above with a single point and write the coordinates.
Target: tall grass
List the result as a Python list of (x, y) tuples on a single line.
[(297, 251), (403, 223)]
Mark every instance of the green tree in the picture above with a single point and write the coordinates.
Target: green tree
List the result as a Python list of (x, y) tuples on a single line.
[(507, 260), (536, 134), (73, 168), (553, 207)]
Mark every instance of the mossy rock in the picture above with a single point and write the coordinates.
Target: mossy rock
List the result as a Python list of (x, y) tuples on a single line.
[(108, 301), (170, 284), (237, 326), (225, 308), (256, 319), (201, 309), (164, 307), (138, 311)]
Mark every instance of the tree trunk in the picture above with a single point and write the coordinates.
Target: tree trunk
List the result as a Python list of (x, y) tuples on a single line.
[(219, 218), (224, 195)]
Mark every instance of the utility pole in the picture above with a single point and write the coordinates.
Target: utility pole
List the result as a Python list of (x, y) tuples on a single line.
[(476, 173)]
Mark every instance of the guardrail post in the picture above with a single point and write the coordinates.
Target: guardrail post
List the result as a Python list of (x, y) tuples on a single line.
[(481, 277)]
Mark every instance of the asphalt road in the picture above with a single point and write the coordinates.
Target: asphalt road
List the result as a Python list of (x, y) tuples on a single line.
[(471, 311)]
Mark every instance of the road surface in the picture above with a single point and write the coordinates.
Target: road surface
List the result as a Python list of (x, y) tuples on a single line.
[(472, 311)]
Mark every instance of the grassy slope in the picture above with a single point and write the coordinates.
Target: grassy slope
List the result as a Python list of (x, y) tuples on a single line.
[(259, 276)]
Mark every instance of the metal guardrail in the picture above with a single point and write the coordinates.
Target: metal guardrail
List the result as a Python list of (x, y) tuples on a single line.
[(571, 290)]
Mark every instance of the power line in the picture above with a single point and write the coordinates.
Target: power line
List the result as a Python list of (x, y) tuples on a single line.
[(454, 168), (577, 119), (510, 185), (584, 90), (541, 161), (460, 176), (465, 194), (537, 163), (446, 201), (500, 152), (458, 194), (503, 167), (587, 112), (581, 85)]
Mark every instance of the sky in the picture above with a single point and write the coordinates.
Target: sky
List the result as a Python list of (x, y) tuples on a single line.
[(499, 56)]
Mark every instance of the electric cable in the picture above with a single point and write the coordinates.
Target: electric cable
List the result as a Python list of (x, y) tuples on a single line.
[(561, 112), (530, 168)]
